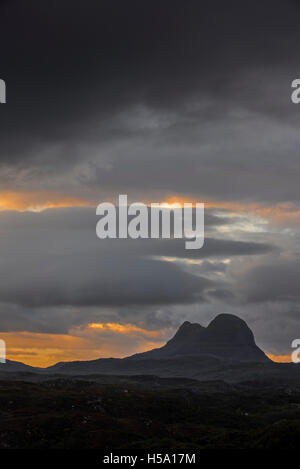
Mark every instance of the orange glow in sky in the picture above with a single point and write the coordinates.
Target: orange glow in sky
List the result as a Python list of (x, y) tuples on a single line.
[(123, 329), (280, 358), (278, 213), (37, 201), (107, 339), (96, 340)]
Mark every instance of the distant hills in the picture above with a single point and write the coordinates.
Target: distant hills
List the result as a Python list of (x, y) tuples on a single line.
[(225, 349)]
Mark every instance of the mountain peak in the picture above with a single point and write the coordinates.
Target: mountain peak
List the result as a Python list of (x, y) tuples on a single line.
[(190, 327), (230, 328), (227, 337), (185, 324)]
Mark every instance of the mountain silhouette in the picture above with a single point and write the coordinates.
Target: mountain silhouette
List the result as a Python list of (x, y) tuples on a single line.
[(227, 337), (225, 349)]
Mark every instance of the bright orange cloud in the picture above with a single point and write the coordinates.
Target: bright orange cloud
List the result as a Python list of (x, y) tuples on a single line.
[(124, 329), (38, 201)]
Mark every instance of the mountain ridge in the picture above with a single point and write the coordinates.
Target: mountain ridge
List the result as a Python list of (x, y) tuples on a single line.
[(227, 337), (226, 340)]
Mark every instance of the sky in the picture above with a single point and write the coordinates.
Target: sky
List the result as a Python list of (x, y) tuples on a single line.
[(174, 101)]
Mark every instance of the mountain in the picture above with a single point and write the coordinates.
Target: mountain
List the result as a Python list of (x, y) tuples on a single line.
[(227, 337), (225, 350)]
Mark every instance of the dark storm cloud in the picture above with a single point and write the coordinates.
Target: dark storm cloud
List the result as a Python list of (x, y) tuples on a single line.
[(204, 88), (83, 218), (277, 281), (212, 248)]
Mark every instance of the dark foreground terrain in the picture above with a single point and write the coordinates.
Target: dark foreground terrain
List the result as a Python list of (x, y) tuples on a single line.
[(205, 388), (146, 412)]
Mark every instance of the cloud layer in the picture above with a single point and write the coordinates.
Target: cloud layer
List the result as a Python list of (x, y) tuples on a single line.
[(118, 97)]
